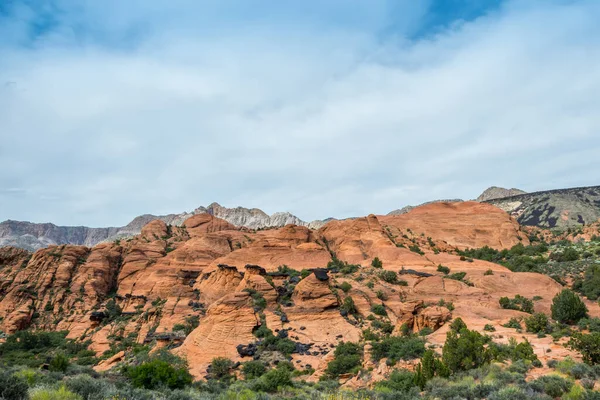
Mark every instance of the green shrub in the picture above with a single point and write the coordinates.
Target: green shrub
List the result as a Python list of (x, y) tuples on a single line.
[(537, 323), (588, 345), (275, 379), (519, 303), (590, 286), (513, 323), (62, 393), (381, 295), (568, 308), (396, 348), (389, 277), (378, 309), (59, 363), (464, 350), (399, 381), (348, 306), (347, 359), (12, 387), (444, 270), (553, 385), (489, 328), (345, 286), (376, 263), (416, 249), (488, 272), (253, 369), (87, 387), (156, 374)]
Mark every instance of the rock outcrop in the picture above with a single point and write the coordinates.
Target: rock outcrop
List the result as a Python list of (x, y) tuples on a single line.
[(560, 209), (220, 283), (495, 192)]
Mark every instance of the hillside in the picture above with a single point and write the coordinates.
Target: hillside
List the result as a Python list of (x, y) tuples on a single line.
[(560, 209)]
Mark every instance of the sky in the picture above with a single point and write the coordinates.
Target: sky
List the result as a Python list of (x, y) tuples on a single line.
[(328, 108)]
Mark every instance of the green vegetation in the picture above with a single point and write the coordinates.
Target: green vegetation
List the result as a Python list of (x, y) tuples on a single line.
[(519, 303), (568, 308), (464, 349), (157, 373), (396, 348), (345, 286), (389, 277), (378, 309), (347, 359), (416, 249), (376, 263), (444, 270), (537, 323)]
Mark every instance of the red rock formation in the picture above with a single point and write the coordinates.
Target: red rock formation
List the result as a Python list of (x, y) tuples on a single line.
[(465, 224)]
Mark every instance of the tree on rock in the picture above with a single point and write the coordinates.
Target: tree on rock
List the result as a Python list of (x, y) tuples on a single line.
[(568, 308)]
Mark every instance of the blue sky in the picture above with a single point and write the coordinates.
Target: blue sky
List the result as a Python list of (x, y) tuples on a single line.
[(322, 108)]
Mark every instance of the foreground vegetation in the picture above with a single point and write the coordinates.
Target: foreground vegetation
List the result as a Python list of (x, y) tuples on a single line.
[(46, 366)]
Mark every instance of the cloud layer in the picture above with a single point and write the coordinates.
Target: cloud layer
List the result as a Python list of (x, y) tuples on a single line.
[(110, 112)]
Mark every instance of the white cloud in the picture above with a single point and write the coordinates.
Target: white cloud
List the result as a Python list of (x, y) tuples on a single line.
[(314, 119)]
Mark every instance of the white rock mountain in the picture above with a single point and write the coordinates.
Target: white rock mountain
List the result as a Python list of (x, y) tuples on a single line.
[(33, 236)]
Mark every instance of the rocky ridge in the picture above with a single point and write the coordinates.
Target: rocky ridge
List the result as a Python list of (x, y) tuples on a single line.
[(495, 192), (33, 236), (560, 209), (221, 283)]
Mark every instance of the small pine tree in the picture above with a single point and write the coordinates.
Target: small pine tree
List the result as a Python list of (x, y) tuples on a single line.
[(568, 308)]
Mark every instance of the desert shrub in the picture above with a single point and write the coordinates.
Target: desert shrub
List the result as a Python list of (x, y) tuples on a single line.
[(157, 373), (396, 348), (518, 303), (348, 306), (553, 385), (12, 387), (342, 266), (448, 304), (444, 270), (345, 286), (537, 323), (588, 345), (59, 363), (381, 295), (488, 272), (378, 309), (32, 349), (389, 277), (591, 324), (253, 369), (568, 254), (568, 308), (416, 249), (590, 285), (376, 263), (399, 381), (464, 349), (43, 393), (489, 328), (524, 351), (87, 387), (275, 379), (347, 358), (513, 323)]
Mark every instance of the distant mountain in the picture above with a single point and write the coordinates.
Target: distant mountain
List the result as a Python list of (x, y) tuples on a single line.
[(496, 192), (33, 236), (406, 209), (561, 208)]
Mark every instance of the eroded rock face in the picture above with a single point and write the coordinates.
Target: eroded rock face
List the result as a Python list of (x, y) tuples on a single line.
[(225, 282), (466, 224)]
